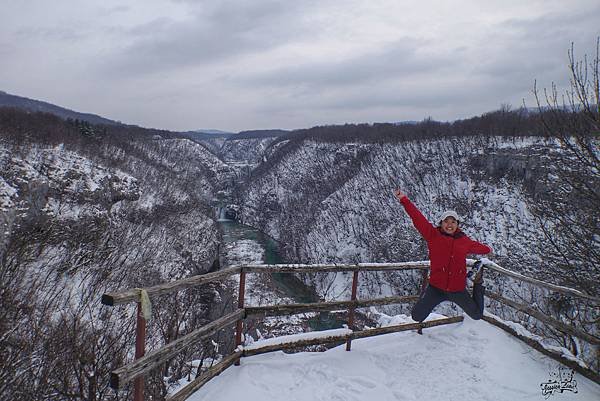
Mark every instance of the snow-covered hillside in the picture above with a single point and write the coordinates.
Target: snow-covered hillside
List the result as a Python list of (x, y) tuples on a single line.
[(84, 213), (240, 155), (469, 361), (86, 210), (249, 150), (332, 202), (116, 191)]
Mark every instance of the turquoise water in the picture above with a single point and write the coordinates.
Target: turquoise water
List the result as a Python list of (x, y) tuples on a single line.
[(289, 284)]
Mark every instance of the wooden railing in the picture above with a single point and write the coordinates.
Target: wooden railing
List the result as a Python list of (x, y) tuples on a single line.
[(147, 362), (562, 327)]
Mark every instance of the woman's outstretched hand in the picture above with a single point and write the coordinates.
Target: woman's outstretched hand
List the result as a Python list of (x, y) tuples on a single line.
[(399, 194)]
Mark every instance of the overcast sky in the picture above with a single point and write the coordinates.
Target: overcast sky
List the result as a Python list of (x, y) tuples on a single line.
[(236, 65)]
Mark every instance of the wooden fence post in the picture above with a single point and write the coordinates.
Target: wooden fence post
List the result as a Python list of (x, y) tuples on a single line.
[(240, 326), (140, 350), (351, 310)]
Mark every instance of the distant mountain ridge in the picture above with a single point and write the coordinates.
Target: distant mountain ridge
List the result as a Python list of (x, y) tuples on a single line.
[(265, 133), (20, 102), (202, 134), (213, 134)]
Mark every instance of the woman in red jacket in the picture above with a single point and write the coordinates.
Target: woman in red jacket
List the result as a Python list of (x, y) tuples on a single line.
[(448, 250)]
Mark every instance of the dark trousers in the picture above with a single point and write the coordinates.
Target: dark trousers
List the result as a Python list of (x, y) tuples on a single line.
[(432, 297)]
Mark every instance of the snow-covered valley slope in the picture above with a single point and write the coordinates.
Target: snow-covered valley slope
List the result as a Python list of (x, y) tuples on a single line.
[(245, 150), (85, 212), (248, 149), (334, 202)]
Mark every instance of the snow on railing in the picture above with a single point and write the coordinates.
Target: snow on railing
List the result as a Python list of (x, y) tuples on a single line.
[(558, 288)]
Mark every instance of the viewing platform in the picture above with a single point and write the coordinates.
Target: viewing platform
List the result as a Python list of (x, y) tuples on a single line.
[(459, 355)]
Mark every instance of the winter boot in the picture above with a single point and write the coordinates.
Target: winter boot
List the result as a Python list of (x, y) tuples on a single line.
[(475, 274)]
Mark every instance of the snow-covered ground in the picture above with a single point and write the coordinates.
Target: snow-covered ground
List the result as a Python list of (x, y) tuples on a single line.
[(472, 360)]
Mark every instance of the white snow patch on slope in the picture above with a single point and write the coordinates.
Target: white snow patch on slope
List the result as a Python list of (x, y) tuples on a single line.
[(7, 192)]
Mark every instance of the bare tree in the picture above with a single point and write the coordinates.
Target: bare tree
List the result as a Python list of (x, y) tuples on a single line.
[(569, 213)]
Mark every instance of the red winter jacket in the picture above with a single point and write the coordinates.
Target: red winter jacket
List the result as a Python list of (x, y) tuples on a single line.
[(447, 253)]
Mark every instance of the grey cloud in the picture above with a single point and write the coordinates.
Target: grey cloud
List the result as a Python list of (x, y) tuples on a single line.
[(226, 30), (555, 25), (7, 48), (108, 12), (205, 78), (150, 30), (445, 93), (401, 59), (519, 55), (59, 34)]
